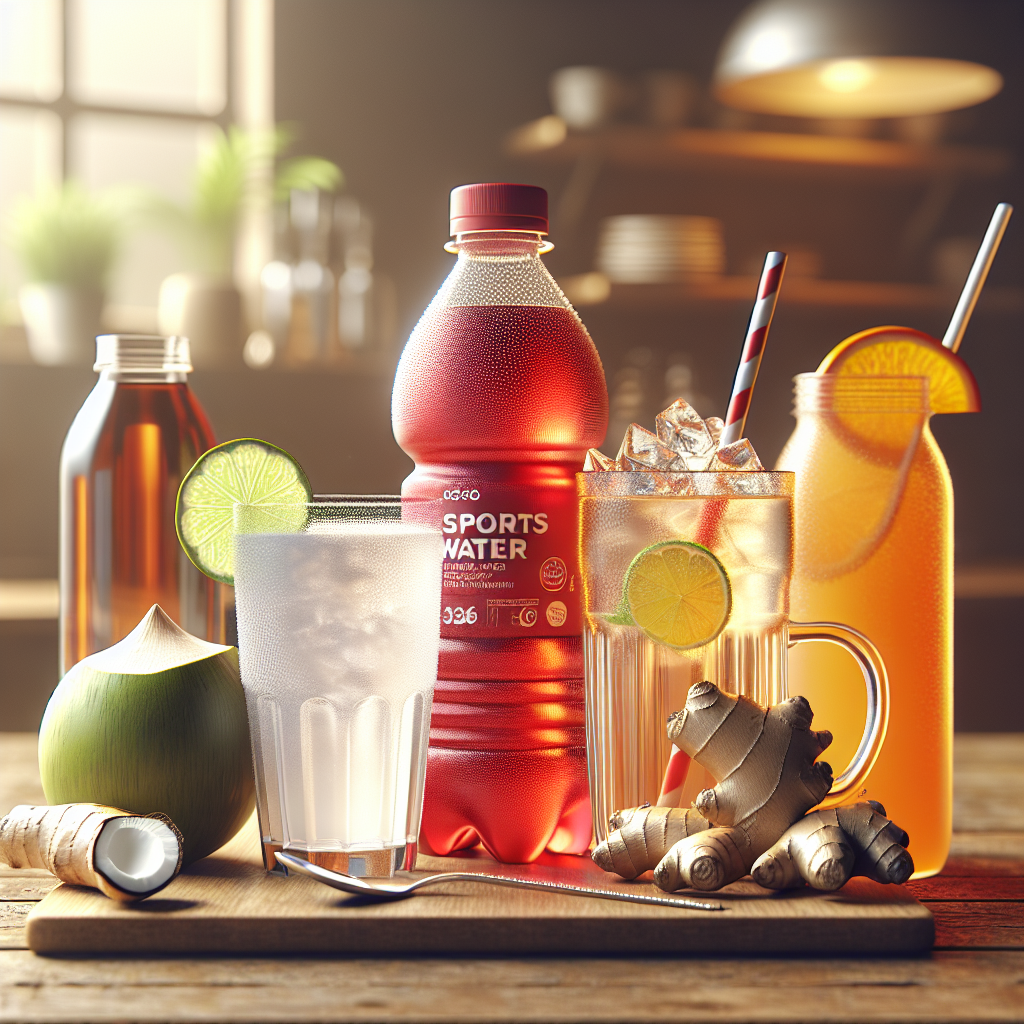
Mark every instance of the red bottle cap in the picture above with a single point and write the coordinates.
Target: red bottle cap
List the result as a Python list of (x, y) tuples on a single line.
[(498, 206)]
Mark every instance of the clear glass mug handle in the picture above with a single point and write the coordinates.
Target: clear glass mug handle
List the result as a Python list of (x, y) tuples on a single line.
[(852, 777)]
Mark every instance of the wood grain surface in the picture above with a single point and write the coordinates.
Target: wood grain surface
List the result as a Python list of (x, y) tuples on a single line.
[(227, 903), (972, 983), (948, 987), (989, 795)]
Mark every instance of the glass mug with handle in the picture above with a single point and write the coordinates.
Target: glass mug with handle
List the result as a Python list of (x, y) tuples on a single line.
[(686, 577)]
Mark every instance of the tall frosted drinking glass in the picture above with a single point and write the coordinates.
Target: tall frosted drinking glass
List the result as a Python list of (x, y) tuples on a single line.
[(338, 632), (634, 682)]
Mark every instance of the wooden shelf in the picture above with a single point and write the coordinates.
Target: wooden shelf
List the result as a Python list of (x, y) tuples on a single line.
[(595, 289), (29, 599), (14, 351), (994, 580), (547, 139)]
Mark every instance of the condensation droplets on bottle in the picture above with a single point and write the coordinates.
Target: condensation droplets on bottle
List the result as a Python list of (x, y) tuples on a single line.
[(498, 396)]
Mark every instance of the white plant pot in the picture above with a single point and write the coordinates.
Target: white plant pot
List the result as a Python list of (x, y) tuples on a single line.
[(61, 322), (208, 312)]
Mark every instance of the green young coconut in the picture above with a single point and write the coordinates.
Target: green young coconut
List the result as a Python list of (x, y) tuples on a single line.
[(156, 723)]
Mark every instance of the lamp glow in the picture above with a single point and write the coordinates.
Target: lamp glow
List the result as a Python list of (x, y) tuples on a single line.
[(768, 48), (841, 58), (846, 75)]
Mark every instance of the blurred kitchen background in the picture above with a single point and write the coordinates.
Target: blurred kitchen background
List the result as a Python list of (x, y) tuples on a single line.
[(272, 178)]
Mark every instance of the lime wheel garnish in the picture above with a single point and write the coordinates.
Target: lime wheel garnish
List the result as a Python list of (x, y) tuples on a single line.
[(678, 593), (247, 471)]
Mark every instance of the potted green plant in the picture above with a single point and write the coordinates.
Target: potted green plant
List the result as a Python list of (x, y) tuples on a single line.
[(203, 303), (66, 240)]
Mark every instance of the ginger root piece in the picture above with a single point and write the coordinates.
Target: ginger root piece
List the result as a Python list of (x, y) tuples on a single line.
[(707, 861), (764, 760), (126, 856), (881, 845), (826, 848), (768, 778), (755, 820), (814, 850), (642, 837)]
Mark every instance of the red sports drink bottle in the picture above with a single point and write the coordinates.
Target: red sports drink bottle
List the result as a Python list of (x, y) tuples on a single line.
[(499, 393)]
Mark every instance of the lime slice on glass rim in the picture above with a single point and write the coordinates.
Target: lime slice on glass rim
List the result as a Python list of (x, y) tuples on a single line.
[(246, 471), (678, 593)]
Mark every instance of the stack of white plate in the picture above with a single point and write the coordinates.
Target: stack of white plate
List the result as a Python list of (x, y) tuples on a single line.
[(653, 248)]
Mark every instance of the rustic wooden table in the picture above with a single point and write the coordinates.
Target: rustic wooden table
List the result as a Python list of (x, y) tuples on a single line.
[(976, 972)]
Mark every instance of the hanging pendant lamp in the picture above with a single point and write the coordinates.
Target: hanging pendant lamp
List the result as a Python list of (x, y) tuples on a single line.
[(845, 58)]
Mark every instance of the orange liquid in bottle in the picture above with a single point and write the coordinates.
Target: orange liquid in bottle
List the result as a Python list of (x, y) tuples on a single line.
[(885, 568)]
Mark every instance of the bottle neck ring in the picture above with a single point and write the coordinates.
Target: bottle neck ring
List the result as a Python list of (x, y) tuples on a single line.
[(143, 358), (830, 392), (499, 243)]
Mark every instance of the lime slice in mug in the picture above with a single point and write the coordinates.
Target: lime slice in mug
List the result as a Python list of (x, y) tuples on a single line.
[(246, 471), (678, 593)]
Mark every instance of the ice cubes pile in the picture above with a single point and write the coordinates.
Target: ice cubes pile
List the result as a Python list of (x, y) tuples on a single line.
[(683, 443)]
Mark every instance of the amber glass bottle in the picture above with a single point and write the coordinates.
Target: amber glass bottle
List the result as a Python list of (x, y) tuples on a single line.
[(138, 433)]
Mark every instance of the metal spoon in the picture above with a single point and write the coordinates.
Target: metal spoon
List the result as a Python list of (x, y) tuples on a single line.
[(385, 889)]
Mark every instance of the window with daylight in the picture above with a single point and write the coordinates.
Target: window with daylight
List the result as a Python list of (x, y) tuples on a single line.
[(111, 93)]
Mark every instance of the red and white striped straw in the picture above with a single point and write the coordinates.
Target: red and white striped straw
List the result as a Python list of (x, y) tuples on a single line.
[(753, 346), (675, 776)]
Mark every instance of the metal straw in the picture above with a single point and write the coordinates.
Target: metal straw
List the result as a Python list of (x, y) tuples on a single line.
[(976, 278)]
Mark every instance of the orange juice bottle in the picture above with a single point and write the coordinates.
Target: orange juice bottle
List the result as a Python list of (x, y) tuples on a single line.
[(873, 521)]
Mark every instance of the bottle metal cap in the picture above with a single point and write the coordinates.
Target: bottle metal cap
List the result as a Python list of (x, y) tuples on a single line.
[(499, 206)]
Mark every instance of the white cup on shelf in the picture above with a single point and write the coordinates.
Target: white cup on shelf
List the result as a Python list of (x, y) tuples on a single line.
[(586, 97)]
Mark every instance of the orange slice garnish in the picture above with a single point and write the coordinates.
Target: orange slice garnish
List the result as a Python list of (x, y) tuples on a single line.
[(904, 352), (863, 456)]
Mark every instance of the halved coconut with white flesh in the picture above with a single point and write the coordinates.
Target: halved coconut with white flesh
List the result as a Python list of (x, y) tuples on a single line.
[(137, 856), (126, 856)]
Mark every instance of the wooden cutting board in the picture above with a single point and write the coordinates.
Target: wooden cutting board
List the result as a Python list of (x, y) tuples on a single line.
[(227, 904)]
